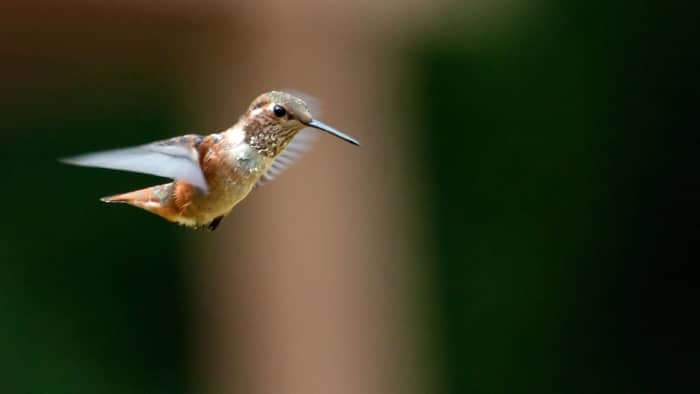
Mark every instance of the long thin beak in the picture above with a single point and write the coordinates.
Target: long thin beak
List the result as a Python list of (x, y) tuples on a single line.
[(328, 129)]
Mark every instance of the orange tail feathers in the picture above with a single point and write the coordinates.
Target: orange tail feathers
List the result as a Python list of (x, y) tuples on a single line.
[(154, 199)]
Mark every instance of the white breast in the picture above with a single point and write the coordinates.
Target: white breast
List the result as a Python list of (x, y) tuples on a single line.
[(247, 161)]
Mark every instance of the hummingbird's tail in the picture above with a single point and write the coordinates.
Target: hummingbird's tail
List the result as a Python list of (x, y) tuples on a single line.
[(154, 199)]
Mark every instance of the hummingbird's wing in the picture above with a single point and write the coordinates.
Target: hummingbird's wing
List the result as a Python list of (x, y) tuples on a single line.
[(300, 144), (176, 158)]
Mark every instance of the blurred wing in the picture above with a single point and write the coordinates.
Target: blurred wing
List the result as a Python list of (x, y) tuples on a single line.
[(176, 158), (299, 145)]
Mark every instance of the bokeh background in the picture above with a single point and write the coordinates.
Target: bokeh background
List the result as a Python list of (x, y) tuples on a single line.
[(521, 218)]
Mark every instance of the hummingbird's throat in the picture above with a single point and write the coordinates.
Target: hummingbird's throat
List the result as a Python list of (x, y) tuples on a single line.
[(268, 139)]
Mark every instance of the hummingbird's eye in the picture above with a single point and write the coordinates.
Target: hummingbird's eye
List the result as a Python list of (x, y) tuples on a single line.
[(279, 111)]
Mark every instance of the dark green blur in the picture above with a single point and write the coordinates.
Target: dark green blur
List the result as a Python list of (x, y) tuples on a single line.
[(563, 156), (91, 299)]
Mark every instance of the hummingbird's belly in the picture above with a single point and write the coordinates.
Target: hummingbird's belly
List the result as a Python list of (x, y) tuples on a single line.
[(229, 182), (223, 198)]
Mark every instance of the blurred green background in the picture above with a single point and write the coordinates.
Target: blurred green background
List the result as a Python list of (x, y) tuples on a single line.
[(552, 165), (565, 203)]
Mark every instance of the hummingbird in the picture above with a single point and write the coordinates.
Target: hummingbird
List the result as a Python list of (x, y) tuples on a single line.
[(212, 173)]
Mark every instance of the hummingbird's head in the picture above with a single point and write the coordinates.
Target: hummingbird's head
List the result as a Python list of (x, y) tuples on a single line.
[(274, 118)]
